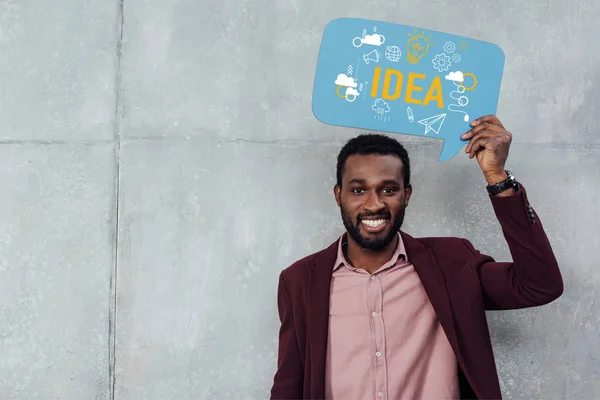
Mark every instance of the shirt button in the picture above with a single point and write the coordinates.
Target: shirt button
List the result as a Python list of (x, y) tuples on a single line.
[(374, 314), (378, 354), (380, 394), (372, 277)]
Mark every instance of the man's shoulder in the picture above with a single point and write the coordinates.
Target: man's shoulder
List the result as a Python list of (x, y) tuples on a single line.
[(445, 246), (451, 253), (440, 241), (434, 241)]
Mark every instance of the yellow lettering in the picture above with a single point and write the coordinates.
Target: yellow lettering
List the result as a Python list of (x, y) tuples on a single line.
[(375, 86), (410, 87), (386, 84), (436, 86), (434, 93)]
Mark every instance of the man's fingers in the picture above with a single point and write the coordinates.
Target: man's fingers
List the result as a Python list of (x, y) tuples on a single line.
[(488, 118), (481, 127), (478, 137), (479, 144)]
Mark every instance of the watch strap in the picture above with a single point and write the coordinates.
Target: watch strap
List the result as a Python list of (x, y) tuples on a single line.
[(509, 182)]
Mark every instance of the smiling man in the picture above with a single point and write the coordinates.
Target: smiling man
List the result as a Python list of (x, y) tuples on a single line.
[(382, 315)]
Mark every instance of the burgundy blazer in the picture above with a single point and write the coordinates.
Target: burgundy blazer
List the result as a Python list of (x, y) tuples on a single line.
[(461, 284)]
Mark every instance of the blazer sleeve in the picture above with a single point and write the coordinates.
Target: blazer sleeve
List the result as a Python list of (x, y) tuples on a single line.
[(533, 278), (288, 380)]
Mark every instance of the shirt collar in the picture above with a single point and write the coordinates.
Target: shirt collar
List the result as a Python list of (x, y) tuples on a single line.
[(343, 243)]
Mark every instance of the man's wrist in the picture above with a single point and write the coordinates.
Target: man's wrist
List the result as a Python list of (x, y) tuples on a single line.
[(495, 177)]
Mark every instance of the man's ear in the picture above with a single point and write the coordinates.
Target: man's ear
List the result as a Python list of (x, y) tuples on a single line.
[(337, 193), (407, 194)]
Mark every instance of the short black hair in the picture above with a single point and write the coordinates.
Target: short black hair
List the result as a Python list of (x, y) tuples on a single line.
[(374, 144)]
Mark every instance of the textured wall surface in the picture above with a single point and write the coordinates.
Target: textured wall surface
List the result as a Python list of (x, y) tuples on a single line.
[(160, 165)]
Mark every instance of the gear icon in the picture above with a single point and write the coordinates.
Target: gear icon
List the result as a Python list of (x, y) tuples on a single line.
[(456, 58), (441, 62), (463, 101), (449, 47), (474, 81)]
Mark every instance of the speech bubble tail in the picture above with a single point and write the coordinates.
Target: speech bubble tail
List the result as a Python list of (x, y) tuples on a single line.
[(449, 150)]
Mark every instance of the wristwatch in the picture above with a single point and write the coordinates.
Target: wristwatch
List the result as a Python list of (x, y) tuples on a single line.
[(500, 187)]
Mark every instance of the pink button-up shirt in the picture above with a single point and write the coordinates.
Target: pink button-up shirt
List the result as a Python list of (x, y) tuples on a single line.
[(385, 341)]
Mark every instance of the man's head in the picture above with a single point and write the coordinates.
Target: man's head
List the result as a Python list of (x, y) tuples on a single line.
[(373, 189)]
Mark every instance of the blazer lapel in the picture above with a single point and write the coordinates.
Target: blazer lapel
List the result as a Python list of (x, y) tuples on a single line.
[(433, 281), (317, 318)]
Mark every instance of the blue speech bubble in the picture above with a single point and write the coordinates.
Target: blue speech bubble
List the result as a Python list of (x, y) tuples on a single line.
[(403, 79)]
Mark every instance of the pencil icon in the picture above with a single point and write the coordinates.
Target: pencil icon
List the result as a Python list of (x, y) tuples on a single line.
[(411, 117)]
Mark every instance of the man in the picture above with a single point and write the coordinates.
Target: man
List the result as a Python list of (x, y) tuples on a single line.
[(382, 315)]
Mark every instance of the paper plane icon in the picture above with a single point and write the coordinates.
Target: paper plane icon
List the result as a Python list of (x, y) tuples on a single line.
[(433, 123)]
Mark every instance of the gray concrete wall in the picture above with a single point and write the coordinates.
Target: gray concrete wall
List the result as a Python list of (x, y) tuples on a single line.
[(160, 164)]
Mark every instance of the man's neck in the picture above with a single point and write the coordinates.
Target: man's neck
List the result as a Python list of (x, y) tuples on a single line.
[(366, 259)]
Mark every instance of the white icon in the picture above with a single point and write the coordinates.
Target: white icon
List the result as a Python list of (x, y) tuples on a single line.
[(409, 113), (351, 94), (462, 101), (456, 58), (374, 40), (345, 81), (455, 76), (372, 56), (393, 53), (381, 107), (349, 70), (441, 62), (433, 123), (449, 47)]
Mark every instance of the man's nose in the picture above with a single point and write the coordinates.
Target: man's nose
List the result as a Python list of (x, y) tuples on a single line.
[(374, 202)]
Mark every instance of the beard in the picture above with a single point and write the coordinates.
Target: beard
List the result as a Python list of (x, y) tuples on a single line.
[(376, 243)]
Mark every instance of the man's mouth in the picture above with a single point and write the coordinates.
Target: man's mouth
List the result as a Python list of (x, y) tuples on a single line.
[(374, 225)]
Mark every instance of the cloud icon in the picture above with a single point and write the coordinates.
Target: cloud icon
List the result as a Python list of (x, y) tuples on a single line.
[(374, 39), (381, 106), (352, 91), (455, 76), (343, 80)]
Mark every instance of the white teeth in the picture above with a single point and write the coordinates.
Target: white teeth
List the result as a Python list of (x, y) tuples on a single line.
[(374, 223)]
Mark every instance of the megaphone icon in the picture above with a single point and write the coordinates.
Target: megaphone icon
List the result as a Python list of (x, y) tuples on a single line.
[(372, 56)]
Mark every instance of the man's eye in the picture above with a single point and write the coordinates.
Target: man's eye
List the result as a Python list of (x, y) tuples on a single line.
[(388, 190)]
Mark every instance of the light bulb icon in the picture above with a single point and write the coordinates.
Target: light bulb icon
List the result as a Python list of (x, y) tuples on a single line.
[(417, 46)]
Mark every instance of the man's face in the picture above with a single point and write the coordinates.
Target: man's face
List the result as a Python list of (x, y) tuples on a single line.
[(372, 199)]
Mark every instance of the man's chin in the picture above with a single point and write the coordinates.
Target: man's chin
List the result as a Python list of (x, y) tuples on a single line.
[(374, 245), (375, 240), (370, 235)]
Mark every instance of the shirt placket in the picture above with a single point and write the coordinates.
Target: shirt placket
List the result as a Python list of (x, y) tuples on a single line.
[(377, 333)]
